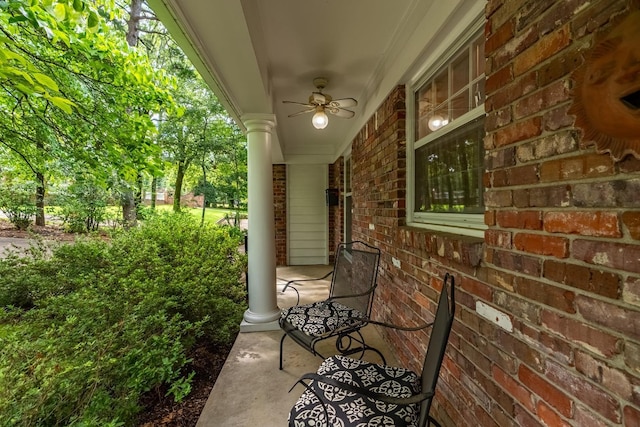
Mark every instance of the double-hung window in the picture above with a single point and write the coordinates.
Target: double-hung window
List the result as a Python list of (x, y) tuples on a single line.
[(446, 142)]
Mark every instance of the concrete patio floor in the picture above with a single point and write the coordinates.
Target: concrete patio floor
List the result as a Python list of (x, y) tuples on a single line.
[(251, 390)]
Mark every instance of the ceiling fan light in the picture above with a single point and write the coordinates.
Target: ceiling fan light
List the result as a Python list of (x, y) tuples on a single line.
[(320, 119), (436, 122)]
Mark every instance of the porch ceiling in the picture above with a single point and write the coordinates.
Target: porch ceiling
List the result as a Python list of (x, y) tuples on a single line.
[(256, 53)]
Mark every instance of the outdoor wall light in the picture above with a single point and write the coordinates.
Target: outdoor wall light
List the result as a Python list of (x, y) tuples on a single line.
[(320, 119), (436, 122)]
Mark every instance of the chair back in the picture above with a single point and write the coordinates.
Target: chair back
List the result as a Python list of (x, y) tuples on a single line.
[(437, 343), (355, 273)]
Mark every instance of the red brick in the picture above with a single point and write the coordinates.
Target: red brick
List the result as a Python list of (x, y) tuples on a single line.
[(601, 373), (541, 100), (600, 224), (631, 291), (594, 397), (497, 119), (514, 47), (509, 260), (496, 79), (545, 390), (522, 418), (541, 244), (631, 417), (523, 175), (477, 288), (519, 131), (543, 49), (546, 343), (523, 309), (560, 66), (582, 277), (551, 296), (614, 255), (553, 196), (612, 316), (586, 418), (558, 118), (528, 220), (519, 349), (581, 333), (514, 388), (499, 37), (498, 238), (500, 279), (549, 416), (497, 198), (550, 171), (631, 220)]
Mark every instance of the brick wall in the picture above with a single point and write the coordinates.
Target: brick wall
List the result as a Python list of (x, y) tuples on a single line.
[(280, 212), (336, 218), (561, 257)]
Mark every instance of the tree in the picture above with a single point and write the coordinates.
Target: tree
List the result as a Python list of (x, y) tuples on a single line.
[(74, 92)]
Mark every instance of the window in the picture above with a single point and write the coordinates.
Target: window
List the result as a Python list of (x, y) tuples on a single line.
[(448, 142)]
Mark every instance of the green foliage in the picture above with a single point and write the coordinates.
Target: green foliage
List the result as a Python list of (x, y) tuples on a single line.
[(83, 206), (89, 328), (18, 204)]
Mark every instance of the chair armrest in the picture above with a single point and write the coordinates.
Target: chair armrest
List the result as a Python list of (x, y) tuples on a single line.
[(416, 398), (390, 325), (290, 282)]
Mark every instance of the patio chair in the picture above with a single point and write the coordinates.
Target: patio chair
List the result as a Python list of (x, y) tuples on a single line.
[(349, 392), (344, 313)]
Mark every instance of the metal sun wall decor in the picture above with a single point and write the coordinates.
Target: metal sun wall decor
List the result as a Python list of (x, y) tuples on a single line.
[(607, 95)]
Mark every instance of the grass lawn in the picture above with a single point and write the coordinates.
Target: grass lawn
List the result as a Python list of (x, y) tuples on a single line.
[(211, 215)]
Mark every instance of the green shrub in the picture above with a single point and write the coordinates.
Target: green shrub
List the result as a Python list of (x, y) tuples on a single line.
[(17, 202), (83, 206), (87, 330)]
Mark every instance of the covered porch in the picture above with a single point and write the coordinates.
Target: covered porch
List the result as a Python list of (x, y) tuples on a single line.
[(468, 140), (251, 390)]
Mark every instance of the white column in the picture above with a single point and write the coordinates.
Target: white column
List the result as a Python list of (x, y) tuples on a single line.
[(263, 309)]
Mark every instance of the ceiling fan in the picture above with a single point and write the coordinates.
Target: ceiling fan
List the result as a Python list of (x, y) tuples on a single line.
[(322, 103)]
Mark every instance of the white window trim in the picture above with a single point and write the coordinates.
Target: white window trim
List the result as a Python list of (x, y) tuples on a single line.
[(464, 224)]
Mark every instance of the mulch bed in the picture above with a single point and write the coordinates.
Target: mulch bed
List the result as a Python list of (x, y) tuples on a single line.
[(161, 410)]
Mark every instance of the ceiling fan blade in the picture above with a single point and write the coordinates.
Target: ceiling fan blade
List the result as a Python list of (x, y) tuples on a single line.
[(298, 103), (318, 98), (343, 103), (310, 110), (340, 112)]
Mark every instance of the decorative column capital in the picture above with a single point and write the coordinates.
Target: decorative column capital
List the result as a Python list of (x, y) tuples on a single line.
[(259, 122)]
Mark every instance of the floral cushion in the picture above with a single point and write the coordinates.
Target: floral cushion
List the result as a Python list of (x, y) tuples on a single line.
[(349, 409), (320, 318)]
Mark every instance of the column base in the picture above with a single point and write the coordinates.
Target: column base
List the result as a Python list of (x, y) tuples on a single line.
[(259, 327), (252, 317)]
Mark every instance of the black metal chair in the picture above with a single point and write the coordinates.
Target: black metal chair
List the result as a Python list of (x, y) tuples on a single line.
[(345, 312), (347, 392)]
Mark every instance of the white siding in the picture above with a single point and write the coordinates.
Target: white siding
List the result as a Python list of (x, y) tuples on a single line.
[(307, 214)]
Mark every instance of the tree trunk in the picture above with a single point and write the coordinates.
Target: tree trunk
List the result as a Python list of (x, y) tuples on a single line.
[(40, 190), (132, 24), (138, 199), (128, 209), (154, 192), (178, 187), (204, 193)]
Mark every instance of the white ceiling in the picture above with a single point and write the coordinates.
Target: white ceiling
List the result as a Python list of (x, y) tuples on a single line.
[(257, 53)]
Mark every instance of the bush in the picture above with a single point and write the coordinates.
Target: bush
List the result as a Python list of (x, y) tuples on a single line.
[(89, 329), (83, 206), (17, 202)]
